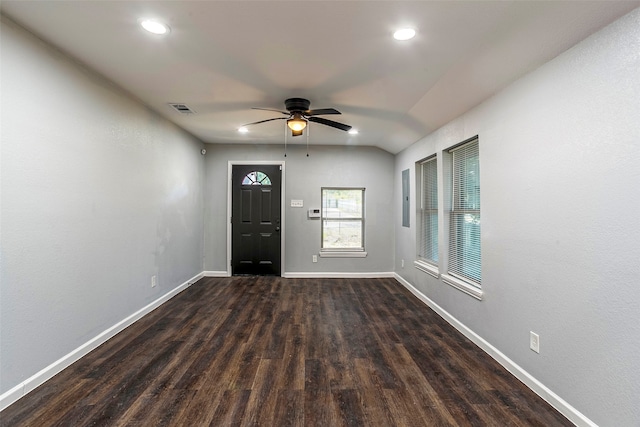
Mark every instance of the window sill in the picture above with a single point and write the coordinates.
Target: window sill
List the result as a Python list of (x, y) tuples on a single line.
[(343, 254), (463, 286), (427, 268)]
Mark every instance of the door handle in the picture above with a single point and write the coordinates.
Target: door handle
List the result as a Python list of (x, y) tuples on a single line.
[(277, 228)]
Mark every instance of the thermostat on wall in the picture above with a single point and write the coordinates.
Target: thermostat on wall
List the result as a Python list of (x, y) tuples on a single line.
[(313, 213)]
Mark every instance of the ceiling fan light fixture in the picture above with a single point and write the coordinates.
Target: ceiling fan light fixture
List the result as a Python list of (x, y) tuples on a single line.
[(404, 34), (297, 123), (154, 27)]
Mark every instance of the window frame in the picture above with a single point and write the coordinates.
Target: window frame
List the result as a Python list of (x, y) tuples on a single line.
[(458, 191), (426, 239), (348, 251)]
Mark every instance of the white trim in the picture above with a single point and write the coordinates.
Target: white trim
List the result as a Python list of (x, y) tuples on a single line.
[(283, 207), (463, 286), (575, 416), (216, 274), (427, 268), (28, 385), (342, 254), (336, 275), (9, 397)]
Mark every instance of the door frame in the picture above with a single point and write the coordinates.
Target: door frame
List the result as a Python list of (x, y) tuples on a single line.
[(230, 165)]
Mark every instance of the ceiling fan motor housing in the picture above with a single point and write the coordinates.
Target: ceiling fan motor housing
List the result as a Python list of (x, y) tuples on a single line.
[(297, 104)]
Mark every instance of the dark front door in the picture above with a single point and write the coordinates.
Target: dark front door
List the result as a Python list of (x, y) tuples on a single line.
[(255, 219)]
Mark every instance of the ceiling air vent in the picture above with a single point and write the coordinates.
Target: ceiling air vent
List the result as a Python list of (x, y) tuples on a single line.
[(182, 108)]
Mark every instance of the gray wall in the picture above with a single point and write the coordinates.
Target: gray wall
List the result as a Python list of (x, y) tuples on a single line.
[(560, 175), (367, 167), (98, 194)]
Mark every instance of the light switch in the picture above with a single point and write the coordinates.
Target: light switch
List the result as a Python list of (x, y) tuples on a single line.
[(297, 203)]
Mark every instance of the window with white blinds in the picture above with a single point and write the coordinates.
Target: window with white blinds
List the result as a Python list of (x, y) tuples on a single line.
[(464, 222), (428, 238)]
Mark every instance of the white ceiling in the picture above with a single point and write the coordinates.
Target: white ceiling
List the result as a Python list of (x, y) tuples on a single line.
[(224, 57)]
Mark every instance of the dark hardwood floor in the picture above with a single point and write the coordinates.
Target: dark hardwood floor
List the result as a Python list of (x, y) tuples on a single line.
[(269, 351)]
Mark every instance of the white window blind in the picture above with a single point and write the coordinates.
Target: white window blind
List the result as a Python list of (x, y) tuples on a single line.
[(464, 224), (428, 239)]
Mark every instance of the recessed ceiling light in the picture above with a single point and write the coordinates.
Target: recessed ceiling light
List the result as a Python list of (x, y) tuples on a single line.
[(243, 130), (154, 26), (353, 132), (404, 34)]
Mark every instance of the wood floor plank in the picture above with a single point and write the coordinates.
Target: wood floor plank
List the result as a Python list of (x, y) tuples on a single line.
[(293, 375), (270, 351), (402, 410), (231, 410), (288, 410), (261, 405), (320, 408), (202, 409), (349, 405), (421, 391), (241, 374)]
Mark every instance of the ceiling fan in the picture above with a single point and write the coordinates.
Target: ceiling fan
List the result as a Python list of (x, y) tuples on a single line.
[(298, 114)]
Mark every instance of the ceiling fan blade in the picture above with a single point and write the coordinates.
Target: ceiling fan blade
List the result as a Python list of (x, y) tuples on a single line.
[(321, 111), (330, 123), (268, 120), (271, 109)]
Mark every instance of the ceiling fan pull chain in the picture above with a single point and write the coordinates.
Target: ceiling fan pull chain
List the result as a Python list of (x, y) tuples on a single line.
[(308, 132), (285, 139)]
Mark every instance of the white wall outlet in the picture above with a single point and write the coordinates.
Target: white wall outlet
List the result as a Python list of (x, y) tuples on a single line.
[(154, 281), (402, 262), (314, 258), (534, 342)]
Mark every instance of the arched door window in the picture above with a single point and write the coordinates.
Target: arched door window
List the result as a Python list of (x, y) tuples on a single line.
[(256, 178)]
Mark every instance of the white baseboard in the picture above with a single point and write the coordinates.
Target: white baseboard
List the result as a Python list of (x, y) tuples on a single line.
[(313, 275), (11, 396), (335, 275), (216, 274), (536, 386)]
